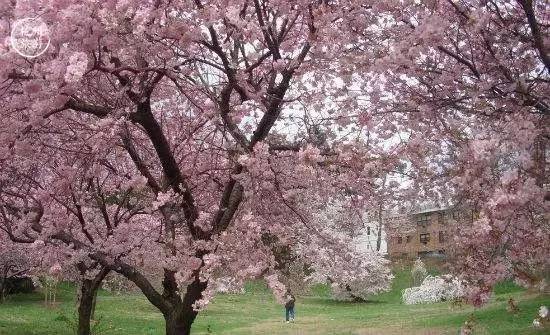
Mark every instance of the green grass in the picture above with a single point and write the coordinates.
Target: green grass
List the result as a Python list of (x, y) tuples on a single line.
[(256, 312)]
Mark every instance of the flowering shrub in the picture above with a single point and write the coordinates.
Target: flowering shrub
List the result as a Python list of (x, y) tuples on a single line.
[(543, 319), (434, 289), (369, 274)]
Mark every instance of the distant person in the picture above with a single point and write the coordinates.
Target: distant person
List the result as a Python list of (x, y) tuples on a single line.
[(289, 306)]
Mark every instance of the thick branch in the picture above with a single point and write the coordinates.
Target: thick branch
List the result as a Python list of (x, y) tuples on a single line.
[(172, 172), (81, 106), (229, 203), (140, 165), (226, 118), (538, 39), (124, 269)]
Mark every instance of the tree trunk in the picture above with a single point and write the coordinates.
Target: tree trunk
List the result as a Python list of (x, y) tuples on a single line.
[(2, 284), (180, 319), (178, 312), (179, 323), (379, 238), (94, 303), (86, 304)]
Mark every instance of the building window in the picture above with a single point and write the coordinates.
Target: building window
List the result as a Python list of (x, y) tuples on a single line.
[(423, 220), (399, 240), (441, 218), (425, 238), (441, 237), (368, 230), (408, 239)]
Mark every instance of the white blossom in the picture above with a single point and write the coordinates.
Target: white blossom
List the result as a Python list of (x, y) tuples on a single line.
[(78, 62), (434, 289), (543, 312)]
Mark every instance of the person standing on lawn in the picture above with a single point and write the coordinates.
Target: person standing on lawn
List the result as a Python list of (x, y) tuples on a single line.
[(289, 306)]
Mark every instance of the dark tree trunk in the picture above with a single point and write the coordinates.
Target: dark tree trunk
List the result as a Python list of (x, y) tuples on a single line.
[(180, 318), (2, 284), (179, 323), (353, 296), (94, 302), (86, 304)]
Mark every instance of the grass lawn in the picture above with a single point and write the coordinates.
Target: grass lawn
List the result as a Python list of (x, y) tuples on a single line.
[(256, 312)]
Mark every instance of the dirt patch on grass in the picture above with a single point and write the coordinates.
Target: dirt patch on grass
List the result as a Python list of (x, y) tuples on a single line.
[(327, 326)]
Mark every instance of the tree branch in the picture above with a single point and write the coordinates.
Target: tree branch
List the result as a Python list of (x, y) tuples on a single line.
[(538, 39)]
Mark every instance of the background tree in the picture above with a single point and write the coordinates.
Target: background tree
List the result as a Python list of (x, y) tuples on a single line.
[(469, 83), (356, 271), (13, 263)]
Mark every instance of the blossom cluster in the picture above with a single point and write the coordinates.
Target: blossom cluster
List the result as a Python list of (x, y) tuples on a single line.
[(434, 289)]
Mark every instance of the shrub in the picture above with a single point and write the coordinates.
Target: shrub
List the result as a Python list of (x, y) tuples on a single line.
[(434, 289)]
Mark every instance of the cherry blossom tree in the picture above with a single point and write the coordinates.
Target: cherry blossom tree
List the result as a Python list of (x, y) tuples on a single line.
[(470, 78), (180, 131), (370, 272), (40, 220), (194, 132), (13, 263)]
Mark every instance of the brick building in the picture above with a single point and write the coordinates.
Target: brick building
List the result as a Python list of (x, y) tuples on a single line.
[(424, 233)]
